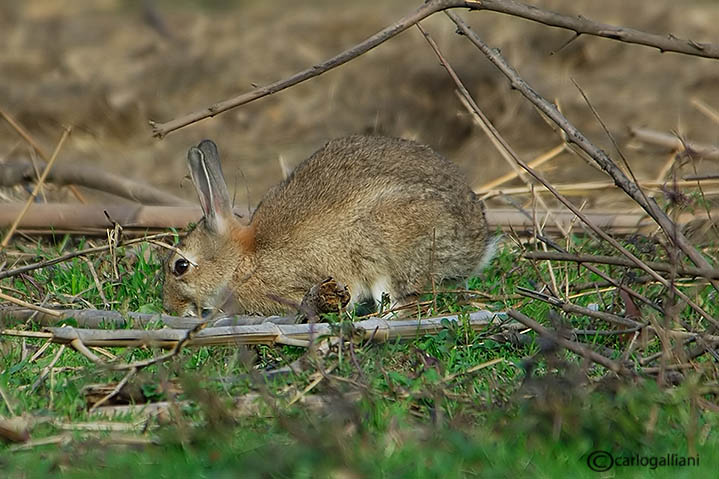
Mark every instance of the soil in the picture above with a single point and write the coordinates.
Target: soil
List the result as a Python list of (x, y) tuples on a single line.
[(106, 67)]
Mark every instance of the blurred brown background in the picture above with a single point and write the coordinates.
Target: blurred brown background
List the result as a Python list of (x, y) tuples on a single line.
[(108, 66)]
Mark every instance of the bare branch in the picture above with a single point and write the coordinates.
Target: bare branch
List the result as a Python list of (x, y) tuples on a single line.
[(578, 138), (96, 318), (597, 155), (568, 307), (577, 24), (17, 172), (376, 329)]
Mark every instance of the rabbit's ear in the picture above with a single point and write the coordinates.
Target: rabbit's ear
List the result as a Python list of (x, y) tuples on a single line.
[(206, 172)]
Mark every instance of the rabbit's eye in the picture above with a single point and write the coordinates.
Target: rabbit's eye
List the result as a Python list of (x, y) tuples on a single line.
[(180, 267)]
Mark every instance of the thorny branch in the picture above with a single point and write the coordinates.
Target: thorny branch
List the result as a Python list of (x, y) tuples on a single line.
[(577, 24), (474, 109), (578, 138)]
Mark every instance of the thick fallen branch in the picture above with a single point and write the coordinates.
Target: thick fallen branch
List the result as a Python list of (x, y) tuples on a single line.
[(577, 24), (18, 172), (70, 216), (96, 318), (375, 329), (673, 142)]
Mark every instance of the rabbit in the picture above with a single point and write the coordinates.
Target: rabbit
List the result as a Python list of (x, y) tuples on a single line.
[(378, 214)]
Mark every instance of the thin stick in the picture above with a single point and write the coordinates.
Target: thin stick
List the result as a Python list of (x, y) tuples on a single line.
[(173, 249), (26, 334), (578, 24), (6, 400), (35, 190), (96, 279), (583, 187), (116, 390), (575, 309), (427, 9), (494, 136), (613, 260), (78, 346), (706, 109), (570, 345), (473, 369), (25, 304), (40, 351), (47, 369), (74, 254)]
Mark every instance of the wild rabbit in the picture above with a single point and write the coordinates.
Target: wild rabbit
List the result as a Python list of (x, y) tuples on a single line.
[(378, 214)]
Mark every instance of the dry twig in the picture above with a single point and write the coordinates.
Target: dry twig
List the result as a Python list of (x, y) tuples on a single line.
[(571, 345), (75, 254), (613, 260)]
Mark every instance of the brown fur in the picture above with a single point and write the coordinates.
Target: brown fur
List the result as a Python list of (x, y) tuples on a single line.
[(368, 211)]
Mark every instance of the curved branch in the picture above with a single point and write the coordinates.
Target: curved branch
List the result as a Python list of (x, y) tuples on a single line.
[(585, 26), (17, 172), (577, 24)]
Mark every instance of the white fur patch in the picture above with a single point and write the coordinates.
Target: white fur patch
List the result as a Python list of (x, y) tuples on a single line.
[(489, 253), (381, 285), (358, 292)]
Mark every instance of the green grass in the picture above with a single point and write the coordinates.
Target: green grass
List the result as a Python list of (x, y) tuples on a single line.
[(539, 413)]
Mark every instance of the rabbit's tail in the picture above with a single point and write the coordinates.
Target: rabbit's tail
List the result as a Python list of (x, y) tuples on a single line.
[(490, 250)]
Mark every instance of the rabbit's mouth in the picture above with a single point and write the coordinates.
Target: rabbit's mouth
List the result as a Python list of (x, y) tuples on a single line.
[(217, 305)]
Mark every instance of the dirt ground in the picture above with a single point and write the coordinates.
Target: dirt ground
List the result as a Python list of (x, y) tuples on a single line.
[(108, 66)]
